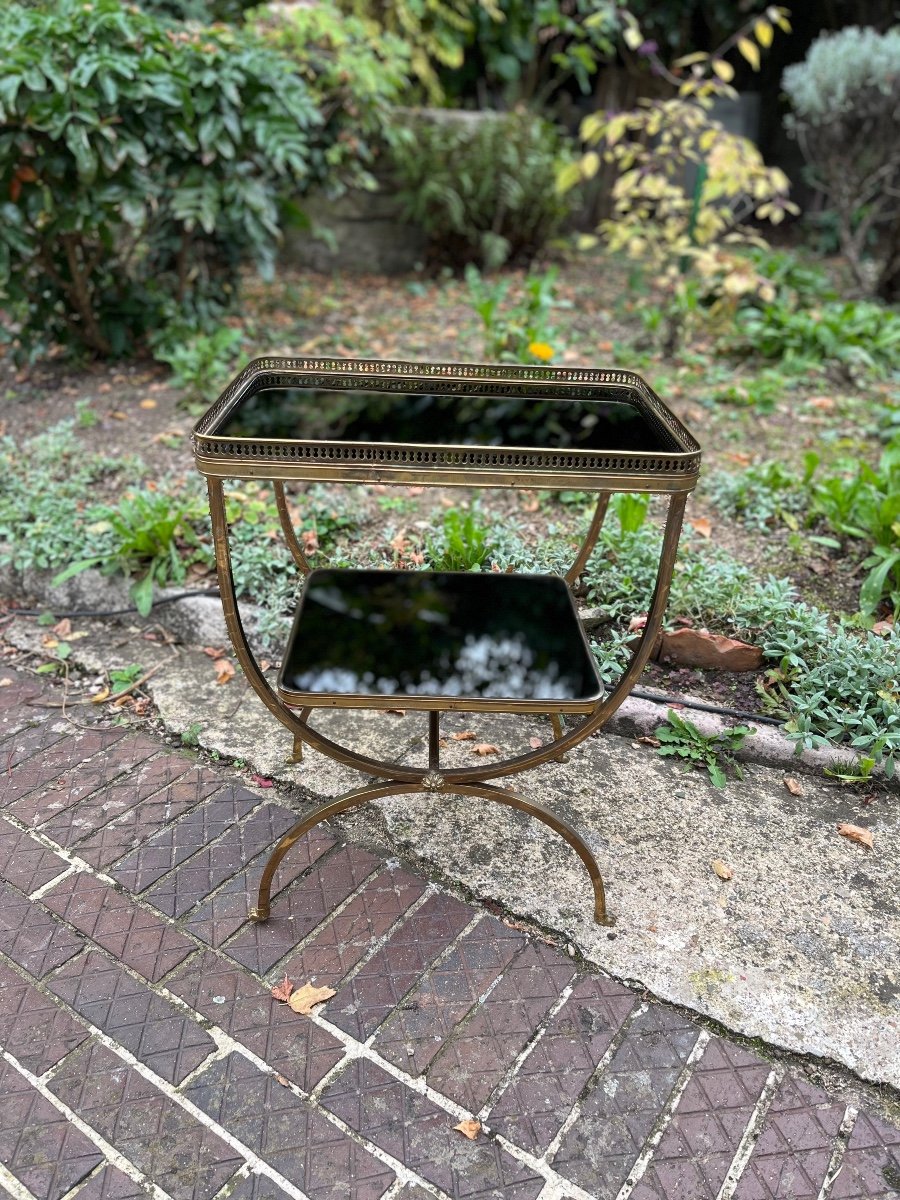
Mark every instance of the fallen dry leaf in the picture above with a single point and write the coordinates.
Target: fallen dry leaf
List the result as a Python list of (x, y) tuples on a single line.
[(310, 540), (415, 491), (6, 683), (398, 712), (793, 785), (261, 781), (305, 998), (722, 869), (224, 670), (49, 642), (148, 403), (469, 1129), (282, 991), (118, 416), (484, 748), (649, 741), (743, 460), (214, 651), (281, 1079), (100, 696), (826, 403), (857, 834), (637, 623), (465, 735), (63, 628), (535, 743), (702, 526), (884, 627), (530, 502)]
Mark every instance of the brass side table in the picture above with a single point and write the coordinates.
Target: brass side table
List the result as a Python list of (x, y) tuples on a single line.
[(441, 641)]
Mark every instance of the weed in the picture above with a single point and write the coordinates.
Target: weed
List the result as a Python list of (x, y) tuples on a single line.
[(202, 363), (191, 735), (519, 331), (123, 677), (861, 336), (462, 544), (630, 509), (714, 751), (854, 769), (762, 494), (145, 532), (85, 417)]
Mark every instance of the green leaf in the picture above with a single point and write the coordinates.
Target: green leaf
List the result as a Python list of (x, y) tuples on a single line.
[(142, 594)]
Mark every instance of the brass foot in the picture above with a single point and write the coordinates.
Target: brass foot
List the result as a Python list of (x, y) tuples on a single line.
[(558, 731), (259, 915), (297, 754)]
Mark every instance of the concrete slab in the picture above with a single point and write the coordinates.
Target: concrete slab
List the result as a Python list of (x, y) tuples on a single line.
[(799, 948)]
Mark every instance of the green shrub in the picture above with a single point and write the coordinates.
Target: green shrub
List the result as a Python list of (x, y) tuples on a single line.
[(354, 75), (761, 495), (205, 12), (137, 164), (861, 336), (864, 502), (846, 99), (462, 544), (202, 363), (482, 188)]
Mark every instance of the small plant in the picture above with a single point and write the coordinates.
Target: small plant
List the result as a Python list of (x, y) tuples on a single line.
[(630, 509), (855, 769), (191, 735), (860, 336), (763, 494), (462, 545), (519, 331), (145, 532), (715, 752), (202, 363), (864, 502), (481, 187), (123, 677)]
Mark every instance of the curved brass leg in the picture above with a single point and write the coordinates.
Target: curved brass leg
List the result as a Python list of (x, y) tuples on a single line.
[(590, 540), (558, 731), (287, 528), (398, 788)]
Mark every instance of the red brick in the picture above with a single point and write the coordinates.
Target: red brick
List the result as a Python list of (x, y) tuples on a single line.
[(25, 862), (173, 1149), (300, 910), (35, 1028), (233, 1000), (31, 936), (287, 1134), (134, 936), (702, 1138), (871, 1166), (483, 1049)]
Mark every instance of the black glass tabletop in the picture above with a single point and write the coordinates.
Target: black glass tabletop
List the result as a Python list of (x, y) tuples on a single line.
[(477, 640), (320, 414)]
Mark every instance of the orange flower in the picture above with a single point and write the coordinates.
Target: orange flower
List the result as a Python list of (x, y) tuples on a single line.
[(541, 350)]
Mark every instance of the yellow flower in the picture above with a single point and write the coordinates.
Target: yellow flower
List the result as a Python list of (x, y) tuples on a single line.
[(541, 350)]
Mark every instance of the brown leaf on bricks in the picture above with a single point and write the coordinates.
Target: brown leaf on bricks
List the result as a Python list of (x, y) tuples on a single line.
[(484, 748), (305, 998), (465, 735), (793, 785), (282, 991), (857, 834), (722, 869), (469, 1129)]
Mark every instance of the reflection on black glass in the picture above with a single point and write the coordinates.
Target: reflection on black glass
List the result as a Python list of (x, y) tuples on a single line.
[(358, 416), (401, 633)]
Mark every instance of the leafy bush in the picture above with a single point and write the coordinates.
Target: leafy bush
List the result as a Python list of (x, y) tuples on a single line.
[(139, 162), (520, 331), (859, 335), (353, 74), (864, 502), (202, 363), (684, 184), (204, 12), (846, 101), (481, 187), (435, 30)]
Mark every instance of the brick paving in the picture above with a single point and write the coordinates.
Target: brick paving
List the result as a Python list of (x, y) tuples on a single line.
[(142, 1048)]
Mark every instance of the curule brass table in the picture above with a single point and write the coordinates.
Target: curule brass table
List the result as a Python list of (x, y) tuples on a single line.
[(441, 641)]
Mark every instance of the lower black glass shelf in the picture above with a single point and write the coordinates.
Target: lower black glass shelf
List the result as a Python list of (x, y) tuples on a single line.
[(447, 640)]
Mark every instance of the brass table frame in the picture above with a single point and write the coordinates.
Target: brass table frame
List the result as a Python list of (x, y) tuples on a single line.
[(673, 473)]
